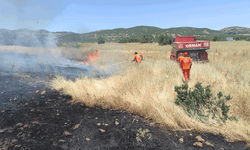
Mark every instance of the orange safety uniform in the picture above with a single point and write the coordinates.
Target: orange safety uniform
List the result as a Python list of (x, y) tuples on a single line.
[(97, 53), (138, 58), (185, 62), (179, 60)]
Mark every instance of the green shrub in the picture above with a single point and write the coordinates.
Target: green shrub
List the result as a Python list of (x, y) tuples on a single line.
[(201, 102), (77, 45)]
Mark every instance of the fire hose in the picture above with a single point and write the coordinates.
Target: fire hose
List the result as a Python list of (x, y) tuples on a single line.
[(118, 63), (130, 61)]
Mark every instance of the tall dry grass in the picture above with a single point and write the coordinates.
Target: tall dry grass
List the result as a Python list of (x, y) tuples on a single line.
[(148, 89)]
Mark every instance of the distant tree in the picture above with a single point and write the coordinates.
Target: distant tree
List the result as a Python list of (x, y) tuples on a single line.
[(216, 38), (123, 40), (241, 37), (237, 38), (147, 39), (101, 40), (231, 33), (165, 40), (129, 40), (170, 41), (133, 40)]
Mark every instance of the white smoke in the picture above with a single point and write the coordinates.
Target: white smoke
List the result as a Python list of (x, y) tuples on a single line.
[(33, 51), (28, 38)]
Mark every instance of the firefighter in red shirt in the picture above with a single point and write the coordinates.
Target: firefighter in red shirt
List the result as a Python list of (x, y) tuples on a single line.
[(179, 60), (186, 63), (138, 58)]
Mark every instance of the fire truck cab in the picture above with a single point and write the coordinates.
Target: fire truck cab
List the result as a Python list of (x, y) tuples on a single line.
[(196, 49)]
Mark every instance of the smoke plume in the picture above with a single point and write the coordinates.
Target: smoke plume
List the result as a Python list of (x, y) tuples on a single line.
[(25, 51)]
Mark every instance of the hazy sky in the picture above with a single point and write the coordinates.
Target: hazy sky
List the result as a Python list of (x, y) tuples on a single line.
[(90, 15)]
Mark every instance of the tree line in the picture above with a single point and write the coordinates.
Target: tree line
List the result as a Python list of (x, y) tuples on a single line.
[(224, 38), (162, 39), (168, 40)]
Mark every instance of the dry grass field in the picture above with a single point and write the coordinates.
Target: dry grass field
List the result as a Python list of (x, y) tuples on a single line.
[(148, 89)]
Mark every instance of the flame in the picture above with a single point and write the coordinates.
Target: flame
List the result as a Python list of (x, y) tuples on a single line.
[(91, 57)]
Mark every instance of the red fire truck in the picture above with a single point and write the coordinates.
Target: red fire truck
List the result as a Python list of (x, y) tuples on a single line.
[(196, 49)]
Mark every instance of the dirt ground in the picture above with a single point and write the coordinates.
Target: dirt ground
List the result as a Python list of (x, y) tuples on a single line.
[(35, 117)]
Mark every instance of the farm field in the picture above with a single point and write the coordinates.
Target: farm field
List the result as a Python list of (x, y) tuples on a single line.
[(126, 106), (148, 89)]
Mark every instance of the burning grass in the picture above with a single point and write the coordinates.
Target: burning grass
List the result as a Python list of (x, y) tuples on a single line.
[(148, 89)]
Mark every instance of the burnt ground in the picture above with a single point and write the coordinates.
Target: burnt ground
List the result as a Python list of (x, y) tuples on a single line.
[(35, 117)]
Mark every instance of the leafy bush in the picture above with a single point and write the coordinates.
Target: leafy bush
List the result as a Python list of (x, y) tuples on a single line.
[(200, 102), (77, 45)]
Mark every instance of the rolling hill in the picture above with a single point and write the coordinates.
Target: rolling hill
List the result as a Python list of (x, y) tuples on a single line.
[(236, 30), (138, 31), (31, 38), (116, 34)]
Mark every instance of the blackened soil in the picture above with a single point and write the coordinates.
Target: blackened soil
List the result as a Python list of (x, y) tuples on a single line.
[(48, 121)]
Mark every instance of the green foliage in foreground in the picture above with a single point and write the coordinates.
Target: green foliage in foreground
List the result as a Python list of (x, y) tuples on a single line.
[(201, 102)]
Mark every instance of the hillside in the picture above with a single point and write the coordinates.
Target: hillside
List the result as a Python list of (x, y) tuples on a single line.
[(236, 30), (138, 31), (119, 33), (43, 38)]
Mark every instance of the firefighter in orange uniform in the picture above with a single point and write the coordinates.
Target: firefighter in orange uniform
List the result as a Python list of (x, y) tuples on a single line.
[(97, 54), (179, 60), (138, 58), (186, 63)]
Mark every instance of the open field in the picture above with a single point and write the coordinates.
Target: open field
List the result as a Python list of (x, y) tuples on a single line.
[(148, 89), (30, 106)]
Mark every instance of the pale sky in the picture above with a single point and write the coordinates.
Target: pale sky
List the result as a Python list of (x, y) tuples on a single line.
[(83, 16)]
